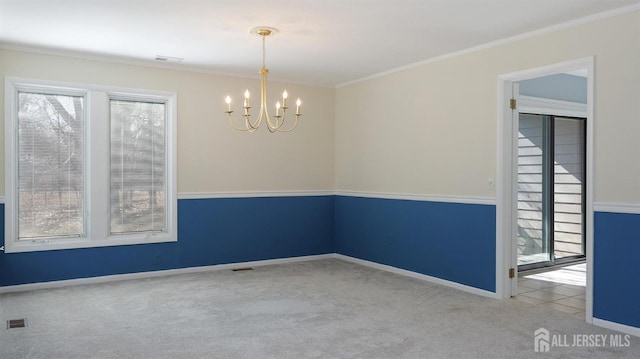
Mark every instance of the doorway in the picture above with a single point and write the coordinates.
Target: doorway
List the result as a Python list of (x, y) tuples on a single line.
[(551, 190), (558, 229)]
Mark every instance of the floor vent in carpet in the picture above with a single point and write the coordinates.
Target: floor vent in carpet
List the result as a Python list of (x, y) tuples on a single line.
[(16, 323), (242, 269)]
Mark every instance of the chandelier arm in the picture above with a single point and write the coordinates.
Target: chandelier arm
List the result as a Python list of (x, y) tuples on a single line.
[(236, 127), (264, 72), (295, 123), (256, 124), (246, 118), (280, 119), (248, 126), (274, 127), (284, 117), (272, 130), (253, 126), (259, 121)]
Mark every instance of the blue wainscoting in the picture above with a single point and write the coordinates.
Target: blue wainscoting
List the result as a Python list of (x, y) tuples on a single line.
[(451, 241), (616, 272), (248, 229), (210, 231)]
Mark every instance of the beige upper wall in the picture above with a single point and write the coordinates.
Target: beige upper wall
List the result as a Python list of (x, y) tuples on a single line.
[(212, 157), (432, 130), (429, 130)]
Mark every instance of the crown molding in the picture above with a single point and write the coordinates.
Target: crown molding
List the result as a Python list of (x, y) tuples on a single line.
[(505, 41)]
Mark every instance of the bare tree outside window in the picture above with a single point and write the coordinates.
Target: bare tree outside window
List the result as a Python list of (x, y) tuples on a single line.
[(50, 165), (137, 167)]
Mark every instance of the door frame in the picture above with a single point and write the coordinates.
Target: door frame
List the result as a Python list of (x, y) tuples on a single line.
[(506, 257)]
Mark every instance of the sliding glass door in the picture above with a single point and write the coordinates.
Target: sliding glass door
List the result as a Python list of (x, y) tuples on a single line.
[(551, 190)]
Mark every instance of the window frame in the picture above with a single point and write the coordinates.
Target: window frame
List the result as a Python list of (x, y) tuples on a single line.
[(96, 166), (134, 99)]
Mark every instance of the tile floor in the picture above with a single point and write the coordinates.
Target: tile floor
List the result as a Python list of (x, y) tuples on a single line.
[(559, 289)]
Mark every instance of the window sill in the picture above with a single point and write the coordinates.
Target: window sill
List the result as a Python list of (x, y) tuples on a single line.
[(77, 243)]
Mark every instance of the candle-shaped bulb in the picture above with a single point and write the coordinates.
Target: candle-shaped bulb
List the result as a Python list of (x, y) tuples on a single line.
[(285, 94), (246, 99), (228, 101), (298, 103), (278, 108)]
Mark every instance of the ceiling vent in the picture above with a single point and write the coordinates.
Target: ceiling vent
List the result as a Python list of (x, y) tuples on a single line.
[(168, 58)]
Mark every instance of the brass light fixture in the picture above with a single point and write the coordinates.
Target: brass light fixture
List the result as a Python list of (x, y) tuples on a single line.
[(281, 108)]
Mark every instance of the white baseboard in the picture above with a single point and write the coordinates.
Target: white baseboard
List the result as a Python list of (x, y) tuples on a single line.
[(419, 276), (617, 327), (159, 273)]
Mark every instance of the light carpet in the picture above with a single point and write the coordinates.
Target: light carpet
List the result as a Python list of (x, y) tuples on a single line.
[(317, 309)]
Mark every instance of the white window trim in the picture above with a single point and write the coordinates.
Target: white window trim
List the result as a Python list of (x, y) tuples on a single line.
[(545, 106), (96, 176)]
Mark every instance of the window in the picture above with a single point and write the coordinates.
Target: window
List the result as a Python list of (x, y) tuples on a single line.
[(137, 167), (50, 165), (70, 186)]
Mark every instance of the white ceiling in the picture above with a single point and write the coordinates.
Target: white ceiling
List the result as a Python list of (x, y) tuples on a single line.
[(321, 42)]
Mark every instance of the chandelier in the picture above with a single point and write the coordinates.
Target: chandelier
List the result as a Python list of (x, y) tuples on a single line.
[(275, 125)]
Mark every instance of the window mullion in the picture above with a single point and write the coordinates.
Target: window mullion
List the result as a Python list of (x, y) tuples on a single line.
[(98, 166)]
